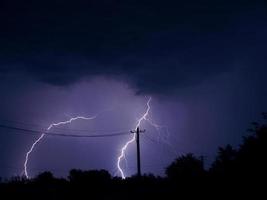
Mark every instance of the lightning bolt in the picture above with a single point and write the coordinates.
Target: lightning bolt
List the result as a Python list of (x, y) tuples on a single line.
[(43, 134), (124, 148), (144, 117)]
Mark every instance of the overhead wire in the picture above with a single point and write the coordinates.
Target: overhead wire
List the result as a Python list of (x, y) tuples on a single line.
[(57, 128), (33, 132)]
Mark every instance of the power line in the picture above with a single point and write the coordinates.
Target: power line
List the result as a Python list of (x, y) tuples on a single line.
[(33, 132), (56, 128)]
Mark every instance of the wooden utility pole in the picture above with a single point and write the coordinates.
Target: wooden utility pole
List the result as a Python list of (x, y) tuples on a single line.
[(138, 153), (138, 131)]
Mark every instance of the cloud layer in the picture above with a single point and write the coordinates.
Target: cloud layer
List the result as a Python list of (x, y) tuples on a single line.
[(155, 47)]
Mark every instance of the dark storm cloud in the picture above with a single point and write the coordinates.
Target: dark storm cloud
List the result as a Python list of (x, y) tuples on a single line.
[(156, 47)]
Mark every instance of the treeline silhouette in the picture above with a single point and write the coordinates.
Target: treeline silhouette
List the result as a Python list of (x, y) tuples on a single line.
[(235, 173)]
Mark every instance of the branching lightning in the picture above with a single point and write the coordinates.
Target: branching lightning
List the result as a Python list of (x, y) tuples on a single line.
[(144, 117), (43, 134), (124, 148)]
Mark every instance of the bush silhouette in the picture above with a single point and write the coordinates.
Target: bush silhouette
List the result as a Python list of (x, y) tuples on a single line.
[(45, 177)]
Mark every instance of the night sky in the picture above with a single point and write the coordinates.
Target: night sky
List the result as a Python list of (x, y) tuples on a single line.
[(203, 63)]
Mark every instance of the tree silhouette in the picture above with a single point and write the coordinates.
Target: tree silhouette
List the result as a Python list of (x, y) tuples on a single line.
[(248, 161), (251, 157), (186, 166), (224, 162)]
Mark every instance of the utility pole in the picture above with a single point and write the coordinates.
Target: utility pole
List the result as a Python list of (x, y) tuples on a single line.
[(138, 131)]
